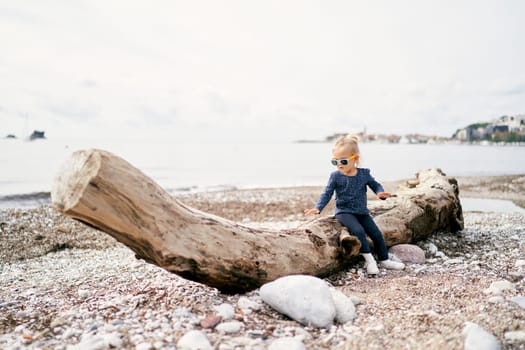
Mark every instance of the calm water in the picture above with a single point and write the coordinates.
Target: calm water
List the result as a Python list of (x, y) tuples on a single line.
[(29, 167)]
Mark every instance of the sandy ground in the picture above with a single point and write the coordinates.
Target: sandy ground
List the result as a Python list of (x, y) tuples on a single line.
[(423, 307)]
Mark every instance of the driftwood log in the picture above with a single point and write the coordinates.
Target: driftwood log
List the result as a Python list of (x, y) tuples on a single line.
[(106, 192)]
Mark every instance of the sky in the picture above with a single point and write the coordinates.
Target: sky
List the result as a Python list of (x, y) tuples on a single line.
[(258, 71)]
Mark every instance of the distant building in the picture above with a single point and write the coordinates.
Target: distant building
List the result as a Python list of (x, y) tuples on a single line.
[(504, 128), (500, 128), (515, 123), (474, 132)]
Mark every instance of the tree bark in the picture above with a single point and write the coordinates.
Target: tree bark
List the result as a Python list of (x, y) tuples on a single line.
[(106, 192)]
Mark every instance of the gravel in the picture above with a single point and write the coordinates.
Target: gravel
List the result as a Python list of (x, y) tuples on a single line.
[(65, 286)]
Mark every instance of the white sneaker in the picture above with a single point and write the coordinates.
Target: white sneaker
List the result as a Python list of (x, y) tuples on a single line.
[(392, 265), (371, 268)]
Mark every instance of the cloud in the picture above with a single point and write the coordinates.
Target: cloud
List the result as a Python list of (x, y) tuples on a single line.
[(518, 89), (280, 70)]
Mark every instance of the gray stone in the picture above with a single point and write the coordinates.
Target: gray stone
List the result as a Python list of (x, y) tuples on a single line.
[(344, 307), (287, 343), (113, 340), (194, 340), (143, 346), (477, 338), (496, 299), (408, 253), (83, 294), (226, 311), (515, 336), (431, 247), (518, 300), (499, 287), (355, 299), (306, 299), (229, 327), (245, 304), (90, 342)]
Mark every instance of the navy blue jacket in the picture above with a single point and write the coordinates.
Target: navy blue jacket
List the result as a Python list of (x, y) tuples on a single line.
[(350, 191)]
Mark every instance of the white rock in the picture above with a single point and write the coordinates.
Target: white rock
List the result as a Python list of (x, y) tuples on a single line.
[(137, 338), (245, 342), (454, 261), (431, 247), (143, 346), (20, 328), (58, 321), (182, 312), (344, 307), (517, 275), (431, 313), (376, 328), (229, 327), (287, 343), (68, 333), (496, 299), (245, 303), (499, 287), (515, 336), (477, 338), (22, 314), (355, 299), (520, 263), (306, 299), (226, 311), (441, 255), (90, 342), (301, 333), (113, 340), (29, 292), (83, 294), (419, 269), (351, 329), (519, 300), (194, 340)]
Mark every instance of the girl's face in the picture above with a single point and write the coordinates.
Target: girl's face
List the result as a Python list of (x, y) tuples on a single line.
[(343, 153)]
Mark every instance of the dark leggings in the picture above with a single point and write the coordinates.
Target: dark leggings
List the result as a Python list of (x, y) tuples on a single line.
[(361, 225)]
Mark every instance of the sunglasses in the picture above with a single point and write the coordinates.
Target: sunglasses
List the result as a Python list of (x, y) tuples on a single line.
[(343, 161)]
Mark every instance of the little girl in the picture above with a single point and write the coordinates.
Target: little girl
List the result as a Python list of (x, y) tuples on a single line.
[(349, 183)]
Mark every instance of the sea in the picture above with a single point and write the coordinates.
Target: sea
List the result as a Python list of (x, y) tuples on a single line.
[(28, 168)]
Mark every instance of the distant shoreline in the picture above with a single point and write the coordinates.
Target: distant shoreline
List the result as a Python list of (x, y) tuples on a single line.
[(444, 142)]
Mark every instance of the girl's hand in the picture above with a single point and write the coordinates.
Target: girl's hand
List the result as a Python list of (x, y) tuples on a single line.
[(383, 195), (311, 211)]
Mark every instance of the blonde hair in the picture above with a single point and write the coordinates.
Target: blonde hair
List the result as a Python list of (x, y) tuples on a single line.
[(349, 141)]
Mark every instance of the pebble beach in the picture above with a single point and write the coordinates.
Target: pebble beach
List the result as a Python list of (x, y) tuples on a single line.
[(64, 285)]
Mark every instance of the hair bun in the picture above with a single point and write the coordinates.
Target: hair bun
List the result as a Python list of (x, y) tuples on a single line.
[(349, 141), (352, 138)]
